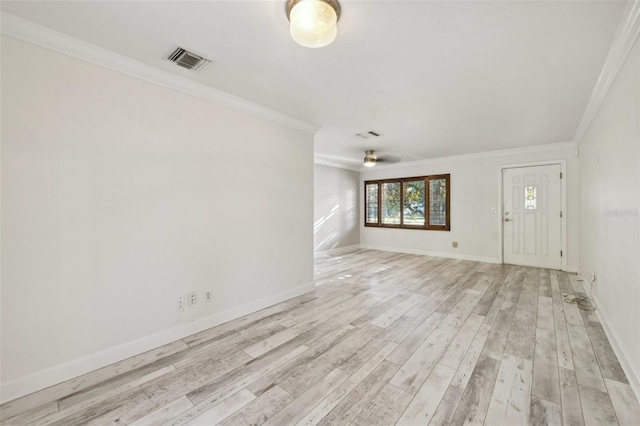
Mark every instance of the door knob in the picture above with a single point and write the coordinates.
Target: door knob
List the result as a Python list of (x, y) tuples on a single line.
[(506, 219)]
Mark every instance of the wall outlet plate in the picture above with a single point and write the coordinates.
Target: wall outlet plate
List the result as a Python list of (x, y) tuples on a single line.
[(192, 298), (181, 303)]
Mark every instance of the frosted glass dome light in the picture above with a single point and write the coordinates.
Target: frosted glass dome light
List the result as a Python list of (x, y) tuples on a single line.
[(314, 23), (370, 158)]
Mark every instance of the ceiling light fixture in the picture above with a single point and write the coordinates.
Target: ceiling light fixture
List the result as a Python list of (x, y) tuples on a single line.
[(369, 158), (314, 23)]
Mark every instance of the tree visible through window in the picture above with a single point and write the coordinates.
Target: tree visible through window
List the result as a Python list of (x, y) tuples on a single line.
[(413, 203), (391, 203), (438, 202), (371, 202)]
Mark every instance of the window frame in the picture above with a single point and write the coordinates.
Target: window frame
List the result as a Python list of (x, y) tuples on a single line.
[(427, 188)]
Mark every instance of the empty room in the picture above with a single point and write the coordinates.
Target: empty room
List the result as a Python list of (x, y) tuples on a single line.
[(336, 212)]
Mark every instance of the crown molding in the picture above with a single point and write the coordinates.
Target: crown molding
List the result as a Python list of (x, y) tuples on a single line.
[(35, 34), (623, 41), (333, 161), (560, 146), (322, 162)]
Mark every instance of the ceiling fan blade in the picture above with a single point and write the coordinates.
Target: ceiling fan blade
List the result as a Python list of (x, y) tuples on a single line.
[(388, 159)]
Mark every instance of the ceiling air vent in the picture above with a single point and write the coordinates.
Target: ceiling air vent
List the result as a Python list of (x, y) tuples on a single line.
[(188, 60), (367, 135)]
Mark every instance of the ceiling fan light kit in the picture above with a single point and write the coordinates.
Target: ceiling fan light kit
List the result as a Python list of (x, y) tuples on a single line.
[(314, 23), (369, 158)]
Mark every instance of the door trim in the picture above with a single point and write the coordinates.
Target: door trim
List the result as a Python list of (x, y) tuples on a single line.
[(563, 201)]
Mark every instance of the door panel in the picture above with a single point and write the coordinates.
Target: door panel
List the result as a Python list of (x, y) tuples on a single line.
[(532, 224)]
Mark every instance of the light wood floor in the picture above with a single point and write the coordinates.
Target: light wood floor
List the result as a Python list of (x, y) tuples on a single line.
[(386, 338)]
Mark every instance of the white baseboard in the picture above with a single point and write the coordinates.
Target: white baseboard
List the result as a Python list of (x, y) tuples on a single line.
[(625, 360), (432, 253), (338, 250), (77, 367), (572, 268)]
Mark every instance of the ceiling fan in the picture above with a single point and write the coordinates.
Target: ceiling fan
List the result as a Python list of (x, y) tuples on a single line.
[(371, 159)]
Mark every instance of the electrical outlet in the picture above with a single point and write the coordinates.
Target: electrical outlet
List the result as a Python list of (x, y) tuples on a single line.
[(192, 298), (208, 296), (454, 244), (181, 303)]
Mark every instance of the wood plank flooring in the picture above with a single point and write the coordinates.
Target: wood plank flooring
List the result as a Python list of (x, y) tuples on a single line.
[(386, 338)]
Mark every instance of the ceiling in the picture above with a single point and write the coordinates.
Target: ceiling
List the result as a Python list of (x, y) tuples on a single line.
[(434, 78)]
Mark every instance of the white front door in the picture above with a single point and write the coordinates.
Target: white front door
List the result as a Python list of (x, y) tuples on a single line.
[(532, 217)]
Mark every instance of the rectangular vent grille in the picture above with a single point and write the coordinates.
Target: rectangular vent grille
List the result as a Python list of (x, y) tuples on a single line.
[(367, 135), (188, 60)]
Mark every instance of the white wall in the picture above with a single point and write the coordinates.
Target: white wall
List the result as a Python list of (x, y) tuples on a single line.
[(475, 185), (336, 208), (118, 196), (610, 203)]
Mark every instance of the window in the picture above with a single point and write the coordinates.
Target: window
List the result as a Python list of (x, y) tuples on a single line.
[(390, 203), (371, 202), (412, 203), (438, 201), (530, 197)]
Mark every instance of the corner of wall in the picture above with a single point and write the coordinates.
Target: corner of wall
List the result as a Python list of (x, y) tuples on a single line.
[(572, 268), (337, 251)]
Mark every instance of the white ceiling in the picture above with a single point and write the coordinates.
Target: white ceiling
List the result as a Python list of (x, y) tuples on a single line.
[(434, 78)]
